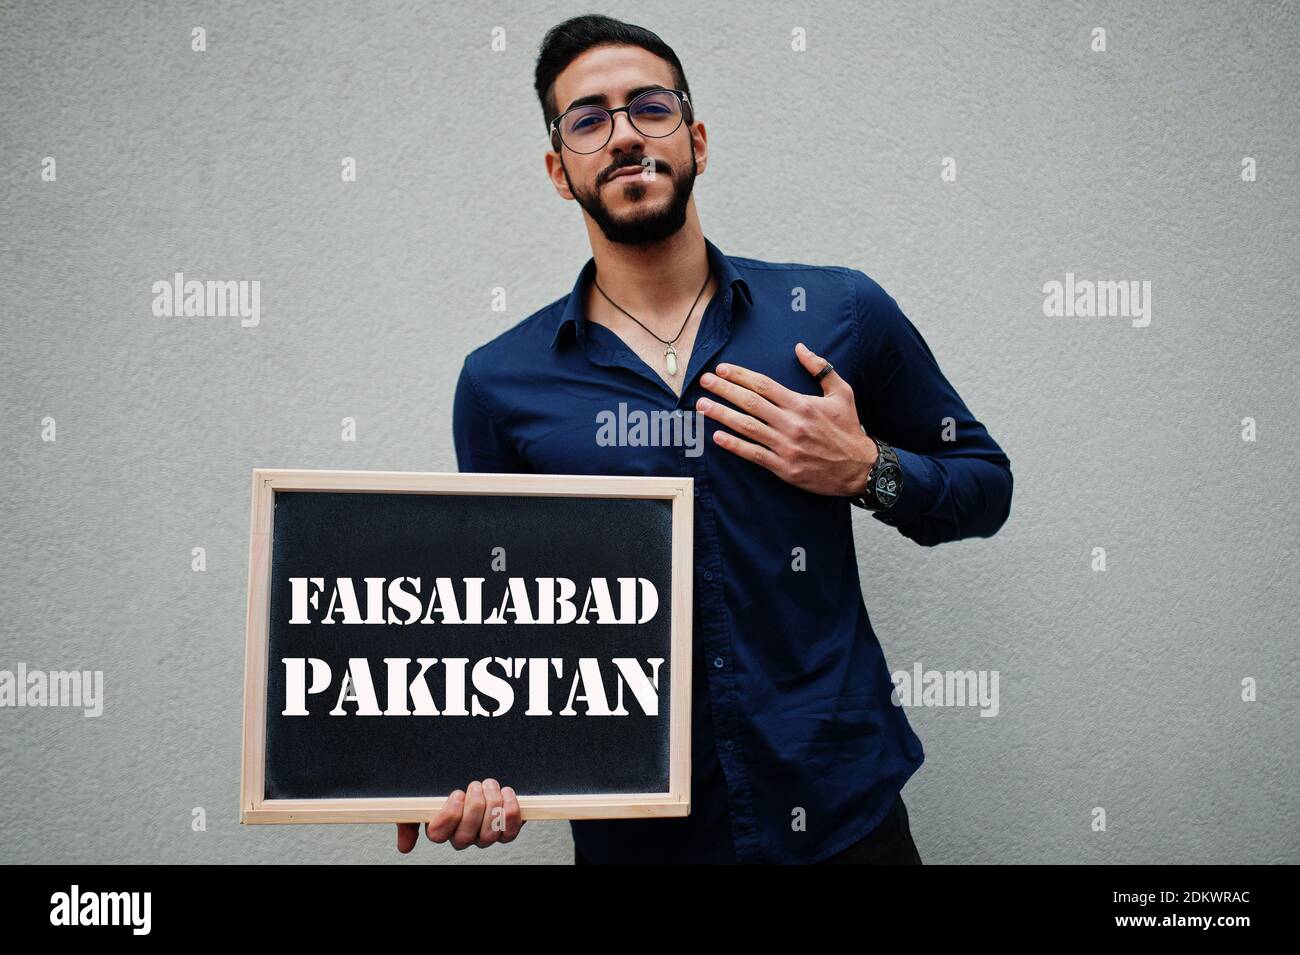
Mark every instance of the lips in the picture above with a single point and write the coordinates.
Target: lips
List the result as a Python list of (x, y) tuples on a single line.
[(627, 171)]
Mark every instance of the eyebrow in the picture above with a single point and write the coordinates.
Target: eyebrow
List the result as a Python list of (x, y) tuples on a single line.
[(600, 99)]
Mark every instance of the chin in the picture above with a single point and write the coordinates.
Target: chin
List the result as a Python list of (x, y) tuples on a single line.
[(638, 216), (641, 200)]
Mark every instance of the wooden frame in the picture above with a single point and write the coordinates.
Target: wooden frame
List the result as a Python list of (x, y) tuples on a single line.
[(255, 808)]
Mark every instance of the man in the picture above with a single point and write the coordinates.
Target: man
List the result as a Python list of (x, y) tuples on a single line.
[(809, 391)]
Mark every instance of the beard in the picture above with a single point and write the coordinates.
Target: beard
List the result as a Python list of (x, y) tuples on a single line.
[(640, 227)]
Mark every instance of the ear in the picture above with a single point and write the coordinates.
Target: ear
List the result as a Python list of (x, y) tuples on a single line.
[(555, 172), (700, 143)]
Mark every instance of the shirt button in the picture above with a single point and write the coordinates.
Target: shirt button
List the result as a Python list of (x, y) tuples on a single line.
[(728, 746), (708, 575), (717, 662)]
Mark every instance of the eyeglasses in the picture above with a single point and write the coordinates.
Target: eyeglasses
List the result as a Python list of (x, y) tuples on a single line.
[(655, 113)]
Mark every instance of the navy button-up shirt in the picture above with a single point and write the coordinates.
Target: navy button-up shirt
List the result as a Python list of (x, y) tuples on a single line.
[(797, 749)]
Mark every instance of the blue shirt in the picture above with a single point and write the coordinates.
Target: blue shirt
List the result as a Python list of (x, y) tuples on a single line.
[(797, 749)]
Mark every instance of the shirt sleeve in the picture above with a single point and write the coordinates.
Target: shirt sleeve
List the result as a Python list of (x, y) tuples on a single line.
[(480, 439), (956, 480)]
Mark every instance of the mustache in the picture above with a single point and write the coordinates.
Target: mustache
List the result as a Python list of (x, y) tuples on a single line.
[(658, 165)]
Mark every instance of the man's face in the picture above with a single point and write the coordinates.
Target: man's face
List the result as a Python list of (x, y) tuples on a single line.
[(635, 208)]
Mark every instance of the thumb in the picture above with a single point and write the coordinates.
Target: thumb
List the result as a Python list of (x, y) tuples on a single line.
[(814, 364)]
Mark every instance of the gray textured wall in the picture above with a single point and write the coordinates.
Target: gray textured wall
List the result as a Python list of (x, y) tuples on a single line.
[(1119, 689)]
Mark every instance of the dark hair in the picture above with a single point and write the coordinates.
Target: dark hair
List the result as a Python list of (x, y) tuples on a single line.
[(564, 42)]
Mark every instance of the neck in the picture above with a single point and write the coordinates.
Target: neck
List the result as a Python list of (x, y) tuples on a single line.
[(654, 282)]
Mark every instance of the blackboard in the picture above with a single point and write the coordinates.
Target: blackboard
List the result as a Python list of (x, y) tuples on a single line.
[(409, 632)]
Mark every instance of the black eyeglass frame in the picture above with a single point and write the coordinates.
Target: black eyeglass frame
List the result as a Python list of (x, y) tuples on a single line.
[(683, 100)]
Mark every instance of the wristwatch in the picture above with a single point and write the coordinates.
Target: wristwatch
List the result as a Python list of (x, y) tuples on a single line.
[(884, 483)]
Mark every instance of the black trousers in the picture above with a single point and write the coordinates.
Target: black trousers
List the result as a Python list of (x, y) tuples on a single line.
[(890, 843)]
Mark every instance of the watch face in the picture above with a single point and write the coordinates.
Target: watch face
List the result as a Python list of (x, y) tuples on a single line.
[(887, 485)]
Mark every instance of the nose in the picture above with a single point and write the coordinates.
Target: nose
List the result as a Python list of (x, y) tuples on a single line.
[(629, 129)]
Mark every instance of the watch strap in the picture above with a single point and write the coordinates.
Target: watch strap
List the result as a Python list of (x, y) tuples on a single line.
[(886, 465)]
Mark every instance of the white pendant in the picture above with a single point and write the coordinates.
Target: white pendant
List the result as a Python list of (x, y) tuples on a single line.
[(670, 357)]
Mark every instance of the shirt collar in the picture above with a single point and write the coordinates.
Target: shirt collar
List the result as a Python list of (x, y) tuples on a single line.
[(575, 312)]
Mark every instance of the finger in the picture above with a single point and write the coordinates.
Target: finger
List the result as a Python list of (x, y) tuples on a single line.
[(514, 815), (814, 364), (741, 423), (493, 814), (471, 820), (751, 452), (408, 834), (765, 387), (747, 400), (448, 818)]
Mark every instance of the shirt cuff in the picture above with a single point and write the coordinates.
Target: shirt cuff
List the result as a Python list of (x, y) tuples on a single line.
[(922, 485)]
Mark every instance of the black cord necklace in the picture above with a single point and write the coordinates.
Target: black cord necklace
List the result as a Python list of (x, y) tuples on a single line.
[(670, 353)]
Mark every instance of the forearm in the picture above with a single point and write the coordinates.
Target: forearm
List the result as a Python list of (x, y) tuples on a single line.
[(947, 498)]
